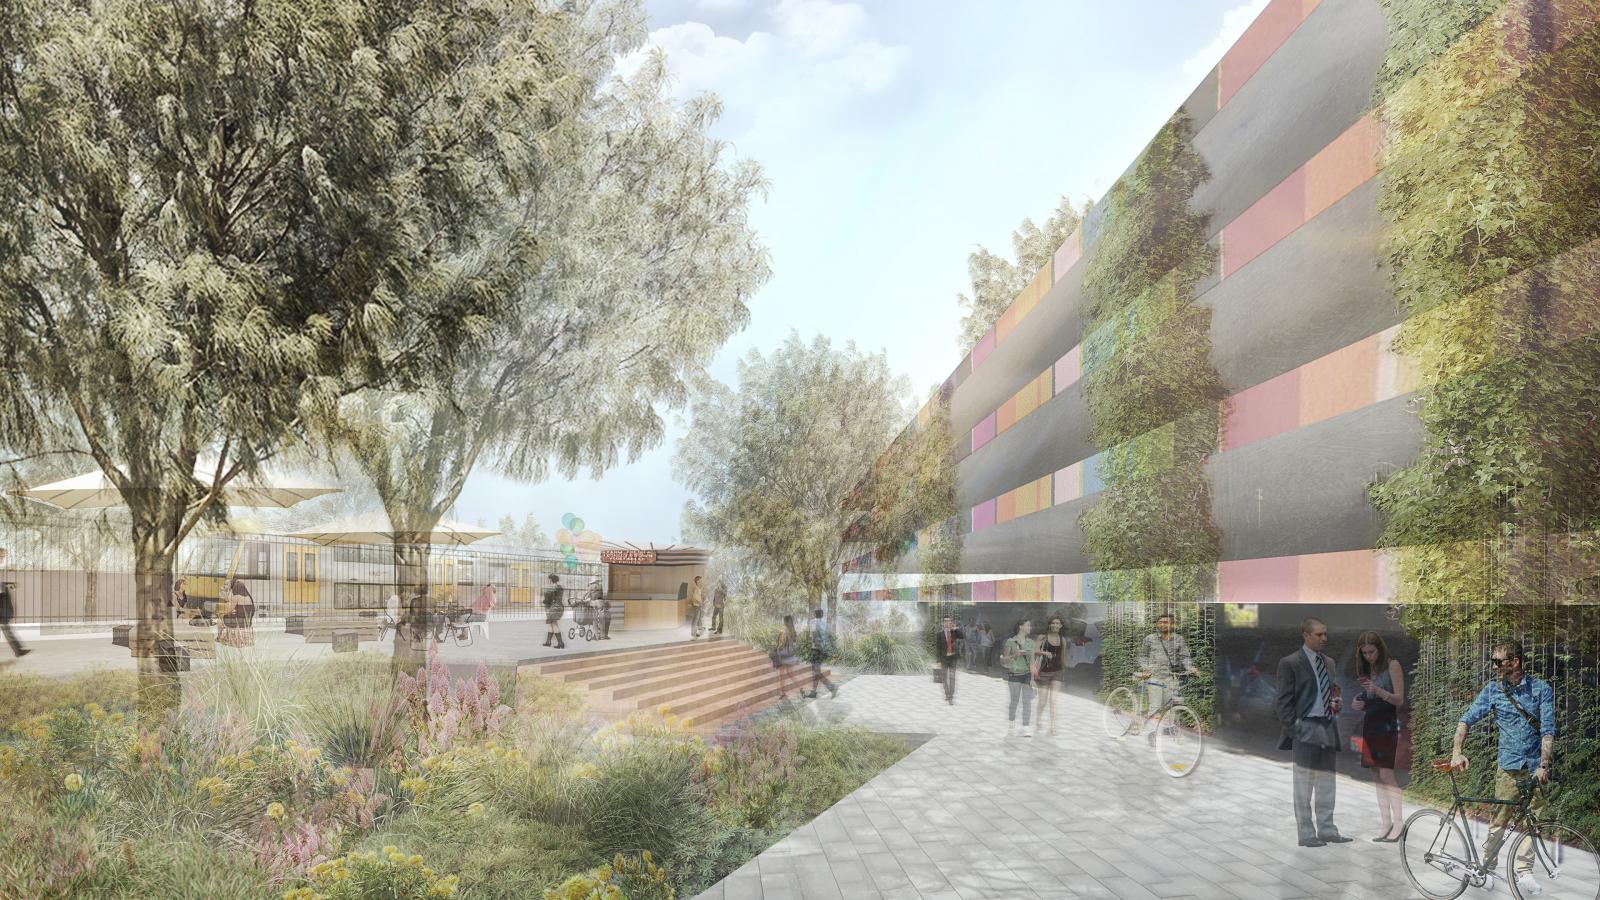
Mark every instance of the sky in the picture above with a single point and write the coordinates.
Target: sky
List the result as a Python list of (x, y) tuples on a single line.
[(896, 136)]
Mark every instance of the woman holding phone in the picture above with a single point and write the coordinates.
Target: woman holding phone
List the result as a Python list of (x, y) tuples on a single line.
[(1383, 692), (1052, 668), (1019, 657)]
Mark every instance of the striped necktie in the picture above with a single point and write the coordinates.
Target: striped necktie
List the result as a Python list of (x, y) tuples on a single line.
[(1322, 686)]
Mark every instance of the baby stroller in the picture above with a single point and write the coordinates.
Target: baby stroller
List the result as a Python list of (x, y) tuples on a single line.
[(585, 618)]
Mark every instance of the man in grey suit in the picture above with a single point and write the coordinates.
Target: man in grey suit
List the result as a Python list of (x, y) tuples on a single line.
[(1307, 702)]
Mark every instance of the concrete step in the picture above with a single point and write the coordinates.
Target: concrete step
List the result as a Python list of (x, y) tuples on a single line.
[(709, 711), (717, 669), (607, 674), (614, 661), (700, 689)]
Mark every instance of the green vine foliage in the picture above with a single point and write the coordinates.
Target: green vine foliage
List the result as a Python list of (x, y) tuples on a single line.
[(1488, 195), (1153, 399), (1123, 630)]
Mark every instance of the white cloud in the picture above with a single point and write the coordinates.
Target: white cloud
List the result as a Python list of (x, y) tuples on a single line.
[(1234, 23), (816, 59)]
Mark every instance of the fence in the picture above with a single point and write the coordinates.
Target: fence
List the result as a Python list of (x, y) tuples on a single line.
[(73, 574)]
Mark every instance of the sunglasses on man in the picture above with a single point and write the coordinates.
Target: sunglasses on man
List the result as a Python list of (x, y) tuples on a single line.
[(1500, 661)]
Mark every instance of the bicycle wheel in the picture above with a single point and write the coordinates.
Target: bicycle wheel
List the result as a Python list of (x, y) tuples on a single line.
[(1121, 714), (1564, 864), (1435, 854), (1180, 739)]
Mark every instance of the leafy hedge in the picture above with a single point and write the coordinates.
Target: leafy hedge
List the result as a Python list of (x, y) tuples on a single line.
[(1153, 398), (1492, 112)]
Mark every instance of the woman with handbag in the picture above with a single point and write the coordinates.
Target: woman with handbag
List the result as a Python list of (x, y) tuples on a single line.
[(1020, 657), (1383, 693)]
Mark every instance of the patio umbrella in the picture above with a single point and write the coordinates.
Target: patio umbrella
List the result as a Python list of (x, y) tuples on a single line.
[(374, 528), (94, 490)]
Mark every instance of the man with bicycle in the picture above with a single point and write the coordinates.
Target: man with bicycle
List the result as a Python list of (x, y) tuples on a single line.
[(1525, 717), (1165, 656)]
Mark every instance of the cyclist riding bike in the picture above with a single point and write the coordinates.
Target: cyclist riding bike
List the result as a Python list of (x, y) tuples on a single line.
[(1164, 659), (1524, 714)]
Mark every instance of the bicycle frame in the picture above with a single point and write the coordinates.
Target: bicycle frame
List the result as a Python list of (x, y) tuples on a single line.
[(1523, 819)]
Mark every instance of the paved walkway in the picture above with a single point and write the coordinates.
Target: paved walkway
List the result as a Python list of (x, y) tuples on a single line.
[(510, 642), (973, 814)]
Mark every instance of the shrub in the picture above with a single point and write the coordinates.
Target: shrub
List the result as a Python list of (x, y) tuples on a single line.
[(885, 653), (835, 761), (24, 697), (496, 856), (625, 878), (189, 864), (388, 874)]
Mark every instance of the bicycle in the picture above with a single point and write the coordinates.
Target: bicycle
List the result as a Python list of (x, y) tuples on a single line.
[(1179, 735), (1440, 860)]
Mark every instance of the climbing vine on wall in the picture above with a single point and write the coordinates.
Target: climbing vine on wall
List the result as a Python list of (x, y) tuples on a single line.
[(1153, 398), (1492, 117)]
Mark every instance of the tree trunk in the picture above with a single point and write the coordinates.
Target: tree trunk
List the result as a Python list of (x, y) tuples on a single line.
[(411, 553), (159, 659)]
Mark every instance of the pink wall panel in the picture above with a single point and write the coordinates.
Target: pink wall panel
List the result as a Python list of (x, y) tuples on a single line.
[(1067, 589), (1069, 483), (1269, 408), (1342, 381), (982, 591), (1069, 368), (983, 515), (982, 349), (983, 432), (1068, 255), (1258, 43), (1346, 577), (1342, 166), (1280, 211), (1270, 580)]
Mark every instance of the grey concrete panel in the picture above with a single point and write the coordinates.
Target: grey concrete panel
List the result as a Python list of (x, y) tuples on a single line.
[(1052, 437), (1047, 542), (1044, 337), (1306, 491), (1317, 290), (1313, 88), (1202, 103)]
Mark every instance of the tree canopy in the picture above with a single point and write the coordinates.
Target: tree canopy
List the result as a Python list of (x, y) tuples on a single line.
[(996, 281), (774, 464)]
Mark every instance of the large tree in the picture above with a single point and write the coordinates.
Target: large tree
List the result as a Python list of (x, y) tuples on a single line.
[(775, 463), (647, 260), (227, 216), (996, 281)]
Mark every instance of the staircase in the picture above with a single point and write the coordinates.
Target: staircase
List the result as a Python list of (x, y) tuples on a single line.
[(705, 683)]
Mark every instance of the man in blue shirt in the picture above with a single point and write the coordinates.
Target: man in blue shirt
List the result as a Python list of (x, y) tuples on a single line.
[(1525, 714)]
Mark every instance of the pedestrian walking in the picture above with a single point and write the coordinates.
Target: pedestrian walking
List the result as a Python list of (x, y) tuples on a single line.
[(986, 646), (1307, 703), (605, 610), (719, 599), (949, 645), (783, 656), (7, 612), (969, 652), (554, 608), (1052, 669), (1383, 692), (821, 650), (1525, 726), (697, 601), (1019, 657)]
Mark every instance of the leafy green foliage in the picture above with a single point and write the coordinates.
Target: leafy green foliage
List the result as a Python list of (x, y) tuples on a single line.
[(1490, 225), (885, 653), (624, 878)]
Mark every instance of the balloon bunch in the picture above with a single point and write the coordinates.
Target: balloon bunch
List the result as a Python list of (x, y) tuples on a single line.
[(574, 540)]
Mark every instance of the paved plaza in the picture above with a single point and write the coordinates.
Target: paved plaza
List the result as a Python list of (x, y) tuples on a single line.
[(510, 642), (973, 814)]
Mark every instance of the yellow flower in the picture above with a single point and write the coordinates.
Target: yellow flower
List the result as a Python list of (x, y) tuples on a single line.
[(390, 850), (246, 765), (475, 811), (414, 861), (94, 711), (276, 812), (664, 708), (73, 782), (116, 719)]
